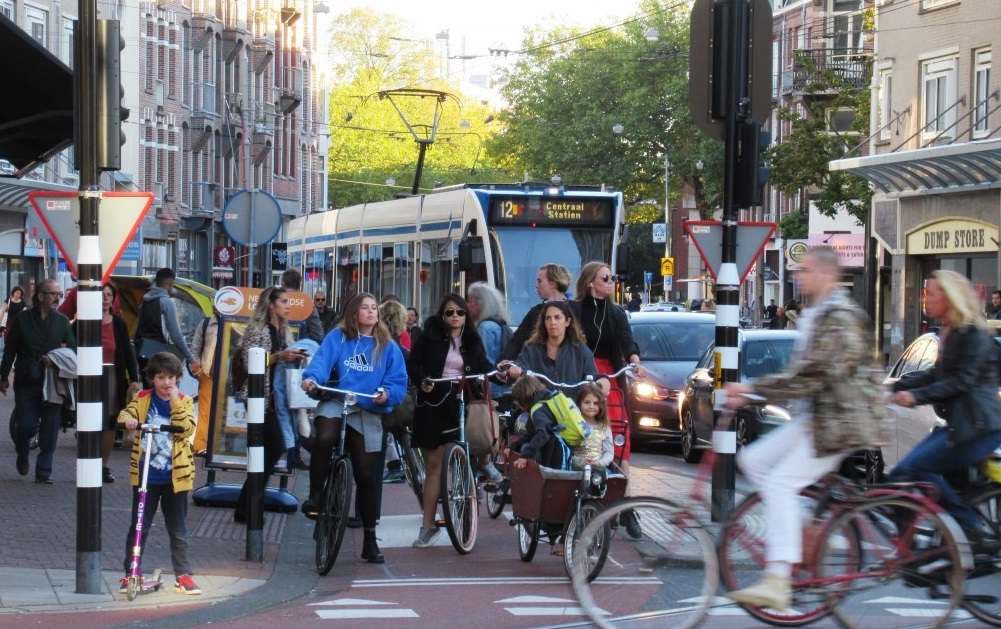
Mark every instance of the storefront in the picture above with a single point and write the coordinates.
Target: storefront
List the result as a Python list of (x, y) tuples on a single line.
[(935, 208)]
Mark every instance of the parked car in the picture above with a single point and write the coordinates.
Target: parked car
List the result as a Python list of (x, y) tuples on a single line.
[(670, 344), (663, 307), (908, 426), (762, 352)]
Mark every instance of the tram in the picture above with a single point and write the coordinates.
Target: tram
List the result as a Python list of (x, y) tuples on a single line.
[(421, 247)]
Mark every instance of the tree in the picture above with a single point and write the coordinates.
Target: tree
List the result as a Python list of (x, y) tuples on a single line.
[(369, 140), (799, 163)]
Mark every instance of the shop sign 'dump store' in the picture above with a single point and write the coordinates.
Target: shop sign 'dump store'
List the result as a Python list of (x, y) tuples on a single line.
[(953, 236)]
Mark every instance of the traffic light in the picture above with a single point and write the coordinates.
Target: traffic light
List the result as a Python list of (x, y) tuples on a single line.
[(752, 172), (110, 92)]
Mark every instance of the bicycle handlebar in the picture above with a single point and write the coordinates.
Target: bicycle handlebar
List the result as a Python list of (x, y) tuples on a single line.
[(155, 428), (589, 380), (347, 394), (479, 376)]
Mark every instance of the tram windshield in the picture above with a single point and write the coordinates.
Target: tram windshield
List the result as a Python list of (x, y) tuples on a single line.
[(522, 250)]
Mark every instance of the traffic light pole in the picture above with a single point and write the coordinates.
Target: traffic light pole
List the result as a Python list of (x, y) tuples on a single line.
[(90, 415)]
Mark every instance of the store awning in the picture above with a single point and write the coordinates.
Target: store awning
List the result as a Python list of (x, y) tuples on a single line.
[(36, 109), (934, 170)]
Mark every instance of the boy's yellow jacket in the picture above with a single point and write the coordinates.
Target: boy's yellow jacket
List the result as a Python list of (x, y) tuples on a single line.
[(182, 413)]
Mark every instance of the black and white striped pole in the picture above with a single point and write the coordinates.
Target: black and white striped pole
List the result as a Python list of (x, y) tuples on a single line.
[(255, 453)]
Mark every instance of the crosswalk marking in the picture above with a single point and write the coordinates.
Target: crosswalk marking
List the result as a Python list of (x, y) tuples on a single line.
[(344, 614), (375, 583), (535, 599), (545, 611), (352, 601)]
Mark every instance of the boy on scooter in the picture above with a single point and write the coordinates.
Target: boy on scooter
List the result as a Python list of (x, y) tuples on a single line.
[(170, 460)]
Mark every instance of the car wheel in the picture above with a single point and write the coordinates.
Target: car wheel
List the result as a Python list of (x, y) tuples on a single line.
[(689, 439)]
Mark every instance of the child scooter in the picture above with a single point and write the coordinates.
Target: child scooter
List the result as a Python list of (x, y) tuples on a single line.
[(135, 583)]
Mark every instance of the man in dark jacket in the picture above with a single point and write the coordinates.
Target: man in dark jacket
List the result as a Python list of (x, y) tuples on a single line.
[(34, 333), (292, 280), (158, 320)]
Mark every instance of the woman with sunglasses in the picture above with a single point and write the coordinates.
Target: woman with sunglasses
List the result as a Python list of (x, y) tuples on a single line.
[(448, 346), (610, 338)]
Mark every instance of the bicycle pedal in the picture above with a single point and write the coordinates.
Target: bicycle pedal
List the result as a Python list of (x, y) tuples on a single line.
[(491, 487)]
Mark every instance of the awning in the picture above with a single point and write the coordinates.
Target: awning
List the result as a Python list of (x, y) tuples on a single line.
[(934, 170), (14, 193), (36, 109)]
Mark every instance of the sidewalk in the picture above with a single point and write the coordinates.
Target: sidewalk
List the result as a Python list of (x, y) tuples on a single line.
[(38, 542)]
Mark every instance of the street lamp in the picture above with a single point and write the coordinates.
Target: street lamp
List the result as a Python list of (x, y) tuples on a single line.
[(617, 128), (651, 34)]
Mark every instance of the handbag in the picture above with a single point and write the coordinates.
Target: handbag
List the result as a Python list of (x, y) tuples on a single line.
[(483, 425)]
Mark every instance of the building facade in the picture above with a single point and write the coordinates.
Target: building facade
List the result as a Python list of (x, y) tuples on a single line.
[(935, 161)]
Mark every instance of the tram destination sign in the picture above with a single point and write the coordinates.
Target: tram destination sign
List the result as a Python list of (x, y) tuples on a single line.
[(537, 211)]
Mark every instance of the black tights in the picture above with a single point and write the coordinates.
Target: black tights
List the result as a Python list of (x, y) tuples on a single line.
[(327, 433)]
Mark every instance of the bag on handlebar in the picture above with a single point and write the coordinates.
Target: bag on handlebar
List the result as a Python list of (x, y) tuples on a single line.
[(483, 425), (571, 426)]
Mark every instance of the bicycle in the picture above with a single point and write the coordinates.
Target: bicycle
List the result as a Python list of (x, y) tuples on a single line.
[(458, 498), (335, 497), (498, 494), (571, 501), (135, 584), (871, 542), (412, 460)]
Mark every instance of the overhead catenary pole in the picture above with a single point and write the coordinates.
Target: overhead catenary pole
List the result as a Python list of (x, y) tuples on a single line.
[(89, 354)]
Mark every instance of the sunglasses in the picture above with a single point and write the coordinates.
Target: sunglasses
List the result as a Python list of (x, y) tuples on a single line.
[(319, 299), (607, 278), (455, 312)]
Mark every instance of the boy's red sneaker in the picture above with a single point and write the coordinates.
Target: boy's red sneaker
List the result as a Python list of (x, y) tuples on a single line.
[(185, 585)]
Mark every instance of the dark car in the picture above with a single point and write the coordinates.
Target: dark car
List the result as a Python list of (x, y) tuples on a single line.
[(762, 352), (670, 344)]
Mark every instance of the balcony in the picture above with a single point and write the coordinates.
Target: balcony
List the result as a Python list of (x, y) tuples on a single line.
[(831, 67), (262, 138)]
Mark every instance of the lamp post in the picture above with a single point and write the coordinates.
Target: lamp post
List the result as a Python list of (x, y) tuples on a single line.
[(668, 279)]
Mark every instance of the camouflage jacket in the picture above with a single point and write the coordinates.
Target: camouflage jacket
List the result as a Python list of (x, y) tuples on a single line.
[(834, 373)]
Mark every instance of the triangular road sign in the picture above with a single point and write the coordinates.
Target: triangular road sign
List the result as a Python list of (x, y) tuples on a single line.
[(118, 217), (708, 239)]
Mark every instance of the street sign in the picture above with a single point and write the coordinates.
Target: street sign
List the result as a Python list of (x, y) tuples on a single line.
[(659, 233), (668, 286), (707, 67), (251, 217), (118, 217), (667, 266), (708, 239)]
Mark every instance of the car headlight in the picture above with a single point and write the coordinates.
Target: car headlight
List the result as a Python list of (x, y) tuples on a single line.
[(653, 392)]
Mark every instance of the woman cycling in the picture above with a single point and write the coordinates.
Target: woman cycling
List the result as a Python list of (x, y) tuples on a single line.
[(448, 346), (557, 350), (610, 337), (962, 387), (357, 355)]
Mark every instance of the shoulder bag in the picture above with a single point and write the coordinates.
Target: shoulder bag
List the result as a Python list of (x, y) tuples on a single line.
[(482, 423)]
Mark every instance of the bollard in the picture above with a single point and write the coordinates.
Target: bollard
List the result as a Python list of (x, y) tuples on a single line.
[(256, 373)]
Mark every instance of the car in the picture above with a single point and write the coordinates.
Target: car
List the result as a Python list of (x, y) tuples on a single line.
[(670, 343), (762, 352), (908, 426), (663, 307)]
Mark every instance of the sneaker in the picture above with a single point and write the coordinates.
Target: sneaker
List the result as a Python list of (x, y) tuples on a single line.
[(310, 509), (22, 464), (184, 585), (394, 476), (123, 585), (490, 471), (354, 522), (771, 592), (426, 537), (631, 522)]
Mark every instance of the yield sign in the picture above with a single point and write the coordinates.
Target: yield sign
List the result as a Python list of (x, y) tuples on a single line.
[(708, 239), (118, 217)]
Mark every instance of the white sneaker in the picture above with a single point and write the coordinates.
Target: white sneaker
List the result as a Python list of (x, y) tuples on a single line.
[(771, 592), (489, 470), (426, 537)]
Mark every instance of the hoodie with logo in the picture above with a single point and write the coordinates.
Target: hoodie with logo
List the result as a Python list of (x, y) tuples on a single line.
[(351, 364)]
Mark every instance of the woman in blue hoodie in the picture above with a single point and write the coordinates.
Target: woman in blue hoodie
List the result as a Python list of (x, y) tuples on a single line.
[(357, 355)]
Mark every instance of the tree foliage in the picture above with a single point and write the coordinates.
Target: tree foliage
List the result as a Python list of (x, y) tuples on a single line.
[(370, 142), (799, 163)]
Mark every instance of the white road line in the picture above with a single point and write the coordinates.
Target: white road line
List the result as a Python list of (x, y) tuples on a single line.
[(352, 601), (535, 599), (919, 612), (343, 614), (545, 611), (378, 583)]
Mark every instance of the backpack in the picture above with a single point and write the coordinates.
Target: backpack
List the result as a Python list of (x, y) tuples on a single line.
[(570, 424), (556, 454), (506, 332)]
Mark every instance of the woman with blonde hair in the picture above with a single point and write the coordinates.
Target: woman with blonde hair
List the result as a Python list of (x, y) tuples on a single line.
[(962, 387)]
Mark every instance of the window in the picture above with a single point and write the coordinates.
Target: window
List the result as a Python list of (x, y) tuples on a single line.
[(37, 23), (939, 82), (7, 9), (934, 4), (981, 91), (840, 120), (846, 26), (884, 105), (66, 43)]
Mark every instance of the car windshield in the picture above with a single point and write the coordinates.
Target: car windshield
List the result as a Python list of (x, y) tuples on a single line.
[(673, 341), (765, 357)]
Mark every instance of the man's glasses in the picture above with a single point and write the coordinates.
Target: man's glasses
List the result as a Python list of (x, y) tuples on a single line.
[(52, 293), (455, 312), (320, 299), (606, 278)]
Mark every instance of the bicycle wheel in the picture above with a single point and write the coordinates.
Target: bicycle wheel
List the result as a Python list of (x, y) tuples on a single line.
[(881, 551), (670, 573), (413, 464), (742, 560), (528, 539), (458, 496), (335, 502), (981, 597), (596, 552), (496, 493)]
